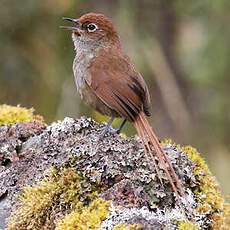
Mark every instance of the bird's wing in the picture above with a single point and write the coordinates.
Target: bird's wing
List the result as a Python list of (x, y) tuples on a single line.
[(115, 81)]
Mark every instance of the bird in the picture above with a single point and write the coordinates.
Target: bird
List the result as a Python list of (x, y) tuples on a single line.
[(108, 81)]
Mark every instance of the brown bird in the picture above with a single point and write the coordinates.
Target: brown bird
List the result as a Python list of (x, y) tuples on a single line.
[(108, 81)]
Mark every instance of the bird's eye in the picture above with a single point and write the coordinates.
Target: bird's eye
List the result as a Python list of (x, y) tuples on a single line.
[(92, 27)]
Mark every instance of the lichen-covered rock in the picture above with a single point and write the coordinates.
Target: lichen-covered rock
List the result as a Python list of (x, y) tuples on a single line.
[(14, 164), (87, 171)]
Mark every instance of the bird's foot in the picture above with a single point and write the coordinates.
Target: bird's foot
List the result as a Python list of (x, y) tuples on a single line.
[(109, 129)]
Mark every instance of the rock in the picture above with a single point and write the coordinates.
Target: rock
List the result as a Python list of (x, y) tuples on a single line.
[(116, 167)]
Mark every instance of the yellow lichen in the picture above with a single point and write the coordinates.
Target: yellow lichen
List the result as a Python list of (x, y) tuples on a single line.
[(209, 192), (43, 206), (169, 141), (15, 114), (125, 226), (123, 135), (86, 218), (187, 225), (61, 189), (222, 220)]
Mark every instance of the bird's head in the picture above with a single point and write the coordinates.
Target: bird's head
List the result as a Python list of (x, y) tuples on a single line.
[(94, 29)]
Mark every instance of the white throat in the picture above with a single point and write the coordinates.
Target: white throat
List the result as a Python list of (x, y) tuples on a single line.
[(85, 45)]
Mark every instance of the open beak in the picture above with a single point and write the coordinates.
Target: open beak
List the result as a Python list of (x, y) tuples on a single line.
[(76, 29)]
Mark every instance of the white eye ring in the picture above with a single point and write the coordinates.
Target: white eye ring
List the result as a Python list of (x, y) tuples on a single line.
[(92, 27)]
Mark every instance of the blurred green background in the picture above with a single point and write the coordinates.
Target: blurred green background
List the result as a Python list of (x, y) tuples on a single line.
[(182, 48)]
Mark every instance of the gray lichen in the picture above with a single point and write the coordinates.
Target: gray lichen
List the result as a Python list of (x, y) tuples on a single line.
[(118, 164)]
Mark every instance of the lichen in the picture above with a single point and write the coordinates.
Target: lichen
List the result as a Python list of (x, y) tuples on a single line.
[(67, 195), (209, 192), (125, 226), (87, 217), (15, 114), (61, 190), (187, 225)]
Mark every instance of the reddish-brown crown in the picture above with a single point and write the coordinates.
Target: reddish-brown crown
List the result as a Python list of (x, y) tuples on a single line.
[(102, 22)]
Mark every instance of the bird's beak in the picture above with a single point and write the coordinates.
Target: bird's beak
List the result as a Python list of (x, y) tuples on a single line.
[(76, 28)]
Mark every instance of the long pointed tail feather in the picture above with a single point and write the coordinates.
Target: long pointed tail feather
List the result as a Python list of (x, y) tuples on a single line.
[(168, 161), (143, 129), (147, 150)]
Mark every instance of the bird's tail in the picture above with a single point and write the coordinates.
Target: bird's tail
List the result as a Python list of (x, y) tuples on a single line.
[(149, 138)]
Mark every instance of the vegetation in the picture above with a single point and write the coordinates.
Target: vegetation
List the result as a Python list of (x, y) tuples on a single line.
[(180, 47), (87, 218), (62, 190), (209, 192), (15, 114), (185, 225), (65, 199), (211, 199)]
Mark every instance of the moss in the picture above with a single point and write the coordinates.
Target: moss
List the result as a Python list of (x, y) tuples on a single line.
[(221, 219), (125, 226), (61, 190), (66, 200), (86, 218), (209, 192), (213, 199), (185, 225), (15, 114)]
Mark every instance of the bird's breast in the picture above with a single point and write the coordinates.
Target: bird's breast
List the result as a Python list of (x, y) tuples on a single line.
[(80, 66), (80, 69)]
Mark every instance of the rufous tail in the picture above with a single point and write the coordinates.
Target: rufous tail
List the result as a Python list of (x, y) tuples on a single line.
[(149, 138)]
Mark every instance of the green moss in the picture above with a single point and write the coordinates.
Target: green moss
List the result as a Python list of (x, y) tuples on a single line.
[(15, 114), (40, 205), (213, 199), (209, 192), (187, 225), (87, 217), (62, 200), (125, 226), (66, 199)]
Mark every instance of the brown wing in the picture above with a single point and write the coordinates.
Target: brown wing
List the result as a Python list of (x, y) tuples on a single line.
[(115, 81)]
